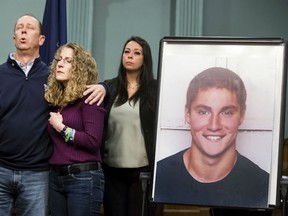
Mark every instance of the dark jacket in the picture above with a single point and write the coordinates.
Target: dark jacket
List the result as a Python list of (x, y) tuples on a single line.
[(147, 116), (24, 140)]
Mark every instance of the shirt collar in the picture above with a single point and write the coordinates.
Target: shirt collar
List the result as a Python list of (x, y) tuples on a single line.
[(12, 56)]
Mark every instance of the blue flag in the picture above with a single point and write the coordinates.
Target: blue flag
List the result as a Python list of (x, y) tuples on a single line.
[(54, 28)]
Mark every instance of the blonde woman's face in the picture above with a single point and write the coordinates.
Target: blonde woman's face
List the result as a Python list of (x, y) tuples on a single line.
[(64, 65)]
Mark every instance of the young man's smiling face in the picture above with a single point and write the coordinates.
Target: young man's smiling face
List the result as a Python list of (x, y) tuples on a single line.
[(214, 117)]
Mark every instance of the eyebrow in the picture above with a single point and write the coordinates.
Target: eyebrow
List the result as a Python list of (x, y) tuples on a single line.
[(66, 58), (135, 49), (201, 106), (20, 25)]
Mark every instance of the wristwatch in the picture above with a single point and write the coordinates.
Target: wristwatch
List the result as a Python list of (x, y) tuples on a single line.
[(63, 131)]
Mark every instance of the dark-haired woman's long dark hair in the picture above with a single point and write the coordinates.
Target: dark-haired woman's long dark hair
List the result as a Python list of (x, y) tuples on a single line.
[(146, 78)]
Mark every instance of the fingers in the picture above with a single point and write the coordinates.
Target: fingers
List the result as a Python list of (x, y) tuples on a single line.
[(97, 94), (89, 99), (101, 99), (95, 99), (88, 90)]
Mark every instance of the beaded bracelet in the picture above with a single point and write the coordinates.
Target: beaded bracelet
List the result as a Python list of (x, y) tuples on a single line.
[(71, 138)]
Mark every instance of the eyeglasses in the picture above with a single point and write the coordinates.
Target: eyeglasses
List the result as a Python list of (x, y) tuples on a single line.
[(65, 60)]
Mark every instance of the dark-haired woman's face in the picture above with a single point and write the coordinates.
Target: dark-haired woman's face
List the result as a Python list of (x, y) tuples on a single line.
[(132, 57)]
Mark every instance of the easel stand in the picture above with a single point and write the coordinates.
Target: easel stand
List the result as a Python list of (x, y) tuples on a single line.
[(284, 186), (145, 179)]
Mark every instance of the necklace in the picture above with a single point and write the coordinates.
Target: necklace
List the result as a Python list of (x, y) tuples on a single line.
[(133, 87)]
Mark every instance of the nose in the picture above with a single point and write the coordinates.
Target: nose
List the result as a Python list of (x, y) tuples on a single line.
[(214, 123), (23, 31), (130, 55), (60, 63)]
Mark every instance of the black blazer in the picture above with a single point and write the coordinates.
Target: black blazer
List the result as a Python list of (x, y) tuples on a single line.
[(147, 116)]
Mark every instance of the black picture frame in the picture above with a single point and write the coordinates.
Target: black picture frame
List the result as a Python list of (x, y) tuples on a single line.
[(261, 64)]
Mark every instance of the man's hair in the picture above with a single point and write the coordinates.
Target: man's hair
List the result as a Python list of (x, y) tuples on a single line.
[(217, 77)]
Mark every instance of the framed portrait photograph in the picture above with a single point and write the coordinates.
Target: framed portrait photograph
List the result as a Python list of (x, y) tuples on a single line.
[(220, 121)]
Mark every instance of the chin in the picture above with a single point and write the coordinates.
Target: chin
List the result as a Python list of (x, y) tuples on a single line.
[(60, 80)]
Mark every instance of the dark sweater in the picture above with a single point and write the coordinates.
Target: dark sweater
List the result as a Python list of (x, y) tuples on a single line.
[(24, 140), (245, 186), (88, 121)]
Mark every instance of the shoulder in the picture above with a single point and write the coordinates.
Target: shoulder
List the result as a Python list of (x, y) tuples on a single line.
[(249, 167), (113, 89), (149, 92), (40, 64), (171, 168), (87, 110), (112, 81), (3, 67), (153, 84), (175, 160), (10, 62), (81, 102)]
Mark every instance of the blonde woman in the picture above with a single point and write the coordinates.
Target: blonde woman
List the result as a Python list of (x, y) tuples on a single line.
[(76, 177)]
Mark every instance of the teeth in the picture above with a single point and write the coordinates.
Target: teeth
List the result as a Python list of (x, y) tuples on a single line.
[(213, 137)]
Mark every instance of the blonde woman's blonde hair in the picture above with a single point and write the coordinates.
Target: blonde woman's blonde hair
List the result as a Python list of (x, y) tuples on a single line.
[(84, 72)]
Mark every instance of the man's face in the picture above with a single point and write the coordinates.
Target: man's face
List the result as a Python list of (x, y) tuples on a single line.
[(27, 34), (214, 118)]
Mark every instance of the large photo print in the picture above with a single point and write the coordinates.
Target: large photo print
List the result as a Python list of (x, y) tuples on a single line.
[(219, 122)]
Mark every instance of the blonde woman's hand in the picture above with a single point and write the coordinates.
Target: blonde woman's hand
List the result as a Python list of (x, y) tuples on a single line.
[(56, 120)]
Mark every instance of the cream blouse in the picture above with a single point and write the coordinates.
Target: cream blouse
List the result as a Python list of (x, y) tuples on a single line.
[(125, 146)]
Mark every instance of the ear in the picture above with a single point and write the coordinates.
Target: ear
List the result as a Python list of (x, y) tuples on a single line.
[(41, 40), (187, 115)]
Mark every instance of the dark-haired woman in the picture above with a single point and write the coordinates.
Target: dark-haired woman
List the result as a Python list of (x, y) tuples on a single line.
[(129, 138)]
